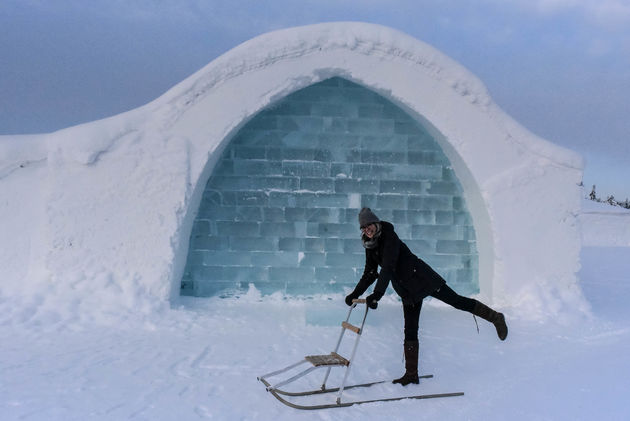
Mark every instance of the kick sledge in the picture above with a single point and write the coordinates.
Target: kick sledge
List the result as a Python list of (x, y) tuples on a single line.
[(329, 361)]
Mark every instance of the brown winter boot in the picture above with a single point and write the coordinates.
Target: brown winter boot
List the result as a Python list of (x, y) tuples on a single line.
[(494, 317), (411, 364)]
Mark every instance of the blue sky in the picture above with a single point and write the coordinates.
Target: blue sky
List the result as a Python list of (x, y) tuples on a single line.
[(559, 67)]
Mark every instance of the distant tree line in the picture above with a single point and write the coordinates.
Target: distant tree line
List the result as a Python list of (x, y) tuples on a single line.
[(610, 200)]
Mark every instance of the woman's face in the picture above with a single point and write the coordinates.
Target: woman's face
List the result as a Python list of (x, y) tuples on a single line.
[(369, 231)]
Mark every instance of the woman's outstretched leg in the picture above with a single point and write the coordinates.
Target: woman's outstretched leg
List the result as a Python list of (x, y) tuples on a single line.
[(494, 317), (447, 295)]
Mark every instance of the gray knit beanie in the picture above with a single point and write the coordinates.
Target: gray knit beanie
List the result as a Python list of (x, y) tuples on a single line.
[(367, 217)]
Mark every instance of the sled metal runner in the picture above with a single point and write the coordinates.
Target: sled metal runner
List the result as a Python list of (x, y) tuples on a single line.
[(329, 361)]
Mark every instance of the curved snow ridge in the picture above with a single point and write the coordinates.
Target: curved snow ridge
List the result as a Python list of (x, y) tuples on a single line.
[(20, 151), (294, 43), (361, 38), (541, 147), (82, 144)]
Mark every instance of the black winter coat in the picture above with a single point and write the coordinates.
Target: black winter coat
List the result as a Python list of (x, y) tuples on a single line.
[(410, 276)]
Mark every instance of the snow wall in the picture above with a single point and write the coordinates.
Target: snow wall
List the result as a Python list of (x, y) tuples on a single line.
[(100, 215)]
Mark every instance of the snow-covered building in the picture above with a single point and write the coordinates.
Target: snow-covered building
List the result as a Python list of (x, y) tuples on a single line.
[(252, 171)]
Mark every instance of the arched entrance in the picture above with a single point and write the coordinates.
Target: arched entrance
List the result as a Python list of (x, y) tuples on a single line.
[(279, 210)]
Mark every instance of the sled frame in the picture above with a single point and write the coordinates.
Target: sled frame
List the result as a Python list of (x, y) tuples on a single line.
[(327, 361)]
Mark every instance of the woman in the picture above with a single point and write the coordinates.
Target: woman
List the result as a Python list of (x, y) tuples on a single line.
[(413, 280)]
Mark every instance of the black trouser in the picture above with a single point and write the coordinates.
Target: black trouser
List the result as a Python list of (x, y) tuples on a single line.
[(444, 294)]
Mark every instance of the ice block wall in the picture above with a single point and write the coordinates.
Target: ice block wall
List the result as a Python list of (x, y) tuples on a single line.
[(280, 208)]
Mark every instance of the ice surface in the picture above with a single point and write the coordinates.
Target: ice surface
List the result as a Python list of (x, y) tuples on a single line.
[(276, 190)]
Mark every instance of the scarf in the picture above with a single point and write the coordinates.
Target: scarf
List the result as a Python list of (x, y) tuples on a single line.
[(370, 243)]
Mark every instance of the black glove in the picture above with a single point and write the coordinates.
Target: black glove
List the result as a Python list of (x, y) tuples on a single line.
[(350, 297), (372, 300)]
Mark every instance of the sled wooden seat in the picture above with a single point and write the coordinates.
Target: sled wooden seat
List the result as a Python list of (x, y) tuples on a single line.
[(332, 359)]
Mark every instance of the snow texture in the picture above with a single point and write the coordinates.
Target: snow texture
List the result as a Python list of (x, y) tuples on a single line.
[(200, 359)]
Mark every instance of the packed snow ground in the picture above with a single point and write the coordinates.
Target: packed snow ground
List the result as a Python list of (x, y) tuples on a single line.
[(200, 360)]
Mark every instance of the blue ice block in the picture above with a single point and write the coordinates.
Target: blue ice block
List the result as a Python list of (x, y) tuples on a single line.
[(280, 208)]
